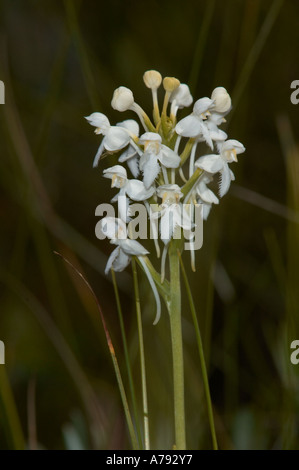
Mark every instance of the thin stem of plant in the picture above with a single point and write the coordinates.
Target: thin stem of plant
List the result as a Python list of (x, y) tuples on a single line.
[(142, 359), (174, 307)]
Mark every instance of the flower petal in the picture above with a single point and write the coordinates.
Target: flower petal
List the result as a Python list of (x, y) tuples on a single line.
[(98, 120), (133, 166), (150, 169), (168, 157), (225, 180), (189, 126), (206, 194), (132, 247), (131, 125), (113, 228), (211, 163), (121, 261), (98, 154), (116, 139), (111, 259), (137, 191)]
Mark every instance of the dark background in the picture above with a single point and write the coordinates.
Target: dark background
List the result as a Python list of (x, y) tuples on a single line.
[(62, 60)]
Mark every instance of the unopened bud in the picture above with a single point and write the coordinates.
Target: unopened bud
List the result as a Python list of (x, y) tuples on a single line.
[(122, 99), (152, 79), (170, 84), (182, 96), (222, 100)]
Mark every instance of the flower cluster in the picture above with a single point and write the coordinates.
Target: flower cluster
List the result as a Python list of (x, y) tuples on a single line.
[(156, 154)]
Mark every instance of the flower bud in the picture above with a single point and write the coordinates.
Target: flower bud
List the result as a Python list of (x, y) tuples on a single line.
[(182, 96), (221, 99), (152, 79), (170, 84), (122, 99)]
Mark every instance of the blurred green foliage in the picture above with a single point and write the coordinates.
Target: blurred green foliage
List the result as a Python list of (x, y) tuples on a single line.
[(60, 61)]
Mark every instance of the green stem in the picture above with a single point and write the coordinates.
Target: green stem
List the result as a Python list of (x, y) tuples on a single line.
[(127, 359), (174, 307), (201, 356), (142, 359)]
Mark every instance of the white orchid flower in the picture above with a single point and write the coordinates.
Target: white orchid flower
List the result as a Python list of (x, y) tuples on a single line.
[(193, 125), (172, 212), (130, 155), (172, 215), (115, 229), (134, 189), (115, 137), (155, 152), (219, 163)]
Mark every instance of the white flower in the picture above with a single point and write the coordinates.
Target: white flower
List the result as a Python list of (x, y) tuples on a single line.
[(115, 229), (172, 212), (133, 188), (115, 137), (155, 152), (219, 163), (193, 125)]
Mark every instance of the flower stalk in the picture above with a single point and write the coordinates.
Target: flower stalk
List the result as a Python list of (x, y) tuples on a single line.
[(174, 308)]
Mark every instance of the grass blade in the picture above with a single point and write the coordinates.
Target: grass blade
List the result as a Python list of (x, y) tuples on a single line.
[(201, 355), (127, 359)]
